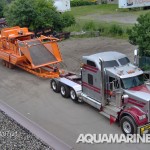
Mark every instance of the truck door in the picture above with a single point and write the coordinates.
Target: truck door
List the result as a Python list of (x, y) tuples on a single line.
[(113, 85), (91, 80)]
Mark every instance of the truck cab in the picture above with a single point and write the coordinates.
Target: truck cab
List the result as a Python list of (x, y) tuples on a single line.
[(110, 83)]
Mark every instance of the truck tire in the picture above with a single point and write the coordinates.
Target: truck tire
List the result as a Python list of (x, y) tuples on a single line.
[(55, 86), (64, 90), (73, 95), (128, 125)]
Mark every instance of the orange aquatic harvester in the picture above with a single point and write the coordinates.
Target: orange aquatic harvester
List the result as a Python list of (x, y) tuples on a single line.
[(39, 56)]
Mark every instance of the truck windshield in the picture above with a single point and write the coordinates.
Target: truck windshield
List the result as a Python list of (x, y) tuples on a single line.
[(111, 63), (128, 83), (124, 61)]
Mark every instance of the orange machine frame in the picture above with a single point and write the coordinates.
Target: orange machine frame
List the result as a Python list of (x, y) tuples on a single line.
[(13, 54)]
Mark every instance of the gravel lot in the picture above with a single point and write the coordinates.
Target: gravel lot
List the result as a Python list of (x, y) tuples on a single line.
[(33, 97), (15, 137), (73, 49)]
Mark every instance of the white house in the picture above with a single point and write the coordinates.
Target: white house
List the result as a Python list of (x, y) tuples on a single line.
[(62, 5)]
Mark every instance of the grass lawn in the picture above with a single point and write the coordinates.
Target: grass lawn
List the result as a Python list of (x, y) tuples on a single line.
[(103, 9), (86, 22)]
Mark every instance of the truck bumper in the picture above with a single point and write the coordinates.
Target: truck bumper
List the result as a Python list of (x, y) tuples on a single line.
[(145, 129)]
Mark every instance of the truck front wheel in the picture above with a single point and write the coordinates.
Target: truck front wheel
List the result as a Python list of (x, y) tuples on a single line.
[(128, 125), (64, 90)]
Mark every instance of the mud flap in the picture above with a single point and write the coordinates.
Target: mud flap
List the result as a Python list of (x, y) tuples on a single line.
[(112, 119)]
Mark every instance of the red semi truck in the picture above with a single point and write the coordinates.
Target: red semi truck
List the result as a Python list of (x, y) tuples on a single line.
[(110, 83)]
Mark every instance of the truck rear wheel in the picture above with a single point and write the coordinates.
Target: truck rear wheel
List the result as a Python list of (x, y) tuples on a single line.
[(64, 90), (73, 95), (128, 125), (55, 86)]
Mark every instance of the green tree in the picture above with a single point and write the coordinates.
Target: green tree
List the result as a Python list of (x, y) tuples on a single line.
[(20, 12), (2, 5), (35, 14), (67, 19), (140, 34), (46, 16)]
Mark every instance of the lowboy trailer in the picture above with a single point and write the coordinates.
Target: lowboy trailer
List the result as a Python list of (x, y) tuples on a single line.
[(110, 83)]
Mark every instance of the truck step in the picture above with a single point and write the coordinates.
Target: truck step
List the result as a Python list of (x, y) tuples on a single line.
[(105, 114), (91, 101), (111, 110)]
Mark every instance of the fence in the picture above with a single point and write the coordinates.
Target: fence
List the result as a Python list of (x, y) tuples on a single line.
[(144, 63)]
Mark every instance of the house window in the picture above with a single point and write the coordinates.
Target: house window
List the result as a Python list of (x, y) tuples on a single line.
[(90, 79)]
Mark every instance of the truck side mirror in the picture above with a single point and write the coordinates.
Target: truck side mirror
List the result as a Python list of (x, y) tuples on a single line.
[(135, 52)]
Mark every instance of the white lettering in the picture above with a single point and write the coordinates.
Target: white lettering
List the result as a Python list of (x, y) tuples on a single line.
[(80, 139), (112, 138)]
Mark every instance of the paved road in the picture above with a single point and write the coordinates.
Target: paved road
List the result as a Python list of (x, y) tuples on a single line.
[(32, 97)]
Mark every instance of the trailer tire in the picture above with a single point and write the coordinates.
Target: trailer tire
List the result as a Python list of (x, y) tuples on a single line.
[(11, 66), (64, 90), (3, 62), (73, 95), (7, 64), (55, 86), (128, 125)]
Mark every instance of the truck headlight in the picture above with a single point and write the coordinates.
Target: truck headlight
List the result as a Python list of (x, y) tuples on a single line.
[(142, 117)]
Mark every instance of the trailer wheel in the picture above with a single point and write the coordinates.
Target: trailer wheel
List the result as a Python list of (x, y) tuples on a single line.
[(3, 62), (128, 125), (7, 64), (11, 66), (55, 86), (64, 90), (73, 95)]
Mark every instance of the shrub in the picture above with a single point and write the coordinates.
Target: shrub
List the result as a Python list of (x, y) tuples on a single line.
[(104, 1), (89, 26), (36, 15), (2, 5), (140, 34), (101, 29), (75, 3), (146, 67), (116, 30), (67, 19)]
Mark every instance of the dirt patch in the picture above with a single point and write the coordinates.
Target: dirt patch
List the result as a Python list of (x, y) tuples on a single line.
[(73, 49), (121, 18)]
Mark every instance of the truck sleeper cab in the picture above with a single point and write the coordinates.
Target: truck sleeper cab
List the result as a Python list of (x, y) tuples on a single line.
[(110, 83)]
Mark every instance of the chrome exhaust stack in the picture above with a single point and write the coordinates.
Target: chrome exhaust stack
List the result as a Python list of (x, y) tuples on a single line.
[(118, 98), (136, 57), (102, 82)]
